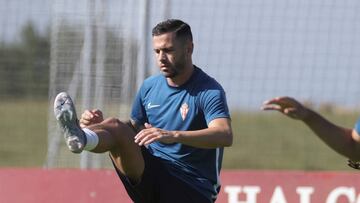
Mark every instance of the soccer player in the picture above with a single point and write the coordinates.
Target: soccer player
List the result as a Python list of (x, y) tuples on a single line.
[(343, 140), (171, 148)]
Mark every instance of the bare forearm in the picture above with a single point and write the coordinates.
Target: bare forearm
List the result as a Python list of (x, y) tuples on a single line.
[(218, 134), (338, 138), (206, 138)]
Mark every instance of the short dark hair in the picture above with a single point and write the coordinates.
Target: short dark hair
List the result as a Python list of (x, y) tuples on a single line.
[(181, 29)]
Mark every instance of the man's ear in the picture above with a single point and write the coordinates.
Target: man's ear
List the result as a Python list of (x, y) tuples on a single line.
[(190, 48)]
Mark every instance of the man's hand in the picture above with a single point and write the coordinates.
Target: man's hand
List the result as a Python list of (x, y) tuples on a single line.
[(287, 106), (354, 164), (90, 117), (151, 134)]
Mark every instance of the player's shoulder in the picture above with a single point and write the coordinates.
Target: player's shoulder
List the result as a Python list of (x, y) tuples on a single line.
[(152, 80), (205, 81)]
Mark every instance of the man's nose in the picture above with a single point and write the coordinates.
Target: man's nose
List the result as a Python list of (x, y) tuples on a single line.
[(162, 56)]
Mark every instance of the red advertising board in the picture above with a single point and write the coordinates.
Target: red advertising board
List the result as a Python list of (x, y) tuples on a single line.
[(290, 187), (239, 186)]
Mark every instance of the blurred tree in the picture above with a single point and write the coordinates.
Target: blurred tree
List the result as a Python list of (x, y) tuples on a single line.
[(24, 65), (36, 50)]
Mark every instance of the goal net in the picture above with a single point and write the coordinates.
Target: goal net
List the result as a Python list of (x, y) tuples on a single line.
[(257, 49)]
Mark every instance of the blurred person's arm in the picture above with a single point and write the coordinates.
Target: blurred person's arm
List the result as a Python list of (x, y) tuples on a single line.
[(343, 140)]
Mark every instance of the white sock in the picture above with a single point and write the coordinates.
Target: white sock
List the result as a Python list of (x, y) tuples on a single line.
[(92, 139)]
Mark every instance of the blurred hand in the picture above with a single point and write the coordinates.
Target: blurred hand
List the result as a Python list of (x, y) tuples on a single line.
[(287, 106), (354, 164), (90, 117), (151, 134)]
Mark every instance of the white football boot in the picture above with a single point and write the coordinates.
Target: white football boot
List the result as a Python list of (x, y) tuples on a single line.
[(65, 114)]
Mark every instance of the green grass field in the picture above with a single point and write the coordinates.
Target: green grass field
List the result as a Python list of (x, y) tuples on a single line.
[(23, 133), (269, 140), (262, 140)]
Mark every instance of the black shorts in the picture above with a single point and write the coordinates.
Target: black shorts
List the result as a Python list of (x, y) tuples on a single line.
[(159, 186)]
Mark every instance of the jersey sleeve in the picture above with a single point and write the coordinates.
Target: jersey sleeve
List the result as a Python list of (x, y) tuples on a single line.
[(215, 105), (138, 113)]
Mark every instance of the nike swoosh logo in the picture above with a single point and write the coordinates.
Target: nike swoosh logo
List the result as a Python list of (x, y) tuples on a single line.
[(150, 106)]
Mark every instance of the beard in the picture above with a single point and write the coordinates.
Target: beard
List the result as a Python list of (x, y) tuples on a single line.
[(173, 70), (170, 72)]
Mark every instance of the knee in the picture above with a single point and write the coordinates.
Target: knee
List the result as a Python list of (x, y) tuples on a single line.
[(115, 126), (114, 123)]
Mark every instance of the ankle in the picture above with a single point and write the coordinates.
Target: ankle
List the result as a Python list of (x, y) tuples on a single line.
[(91, 139)]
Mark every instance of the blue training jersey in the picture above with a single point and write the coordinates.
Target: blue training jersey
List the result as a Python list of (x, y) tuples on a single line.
[(188, 107)]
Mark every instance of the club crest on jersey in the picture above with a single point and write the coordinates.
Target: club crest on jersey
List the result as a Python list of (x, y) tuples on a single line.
[(184, 109)]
